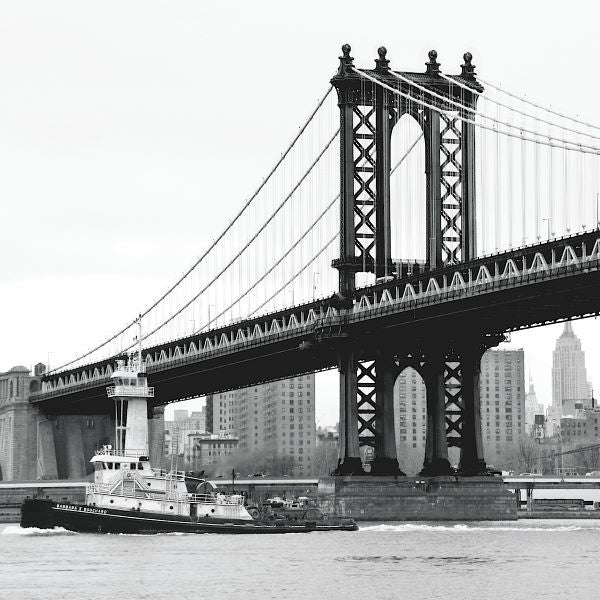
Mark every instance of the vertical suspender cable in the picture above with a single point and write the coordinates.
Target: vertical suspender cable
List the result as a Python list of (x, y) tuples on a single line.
[(509, 175), (550, 187), (497, 188), (536, 168), (523, 187)]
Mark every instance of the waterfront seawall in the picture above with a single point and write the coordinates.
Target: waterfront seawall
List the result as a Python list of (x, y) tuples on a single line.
[(417, 498)]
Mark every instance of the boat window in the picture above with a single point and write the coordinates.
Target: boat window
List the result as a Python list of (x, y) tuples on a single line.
[(132, 466), (117, 466), (140, 466), (109, 466), (105, 465)]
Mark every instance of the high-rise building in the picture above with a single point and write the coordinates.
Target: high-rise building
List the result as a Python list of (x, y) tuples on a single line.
[(177, 432), (410, 420), (502, 393), (502, 389), (277, 418), (532, 408), (569, 376)]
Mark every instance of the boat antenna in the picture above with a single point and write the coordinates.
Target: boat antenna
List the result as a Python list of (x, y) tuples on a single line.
[(232, 481)]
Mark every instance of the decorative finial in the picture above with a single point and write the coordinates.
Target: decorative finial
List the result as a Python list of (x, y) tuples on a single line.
[(433, 66), (468, 69), (346, 61), (382, 63)]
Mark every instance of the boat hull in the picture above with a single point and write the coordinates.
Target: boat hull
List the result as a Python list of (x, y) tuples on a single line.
[(47, 514)]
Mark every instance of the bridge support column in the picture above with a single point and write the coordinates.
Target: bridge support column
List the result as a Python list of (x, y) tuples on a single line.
[(386, 460), (436, 444), (46, 451), (74, 453), (471, 454), (349, 462), (472, 461)]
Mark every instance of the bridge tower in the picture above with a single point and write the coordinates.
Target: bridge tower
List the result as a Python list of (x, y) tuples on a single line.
[(449, 361)]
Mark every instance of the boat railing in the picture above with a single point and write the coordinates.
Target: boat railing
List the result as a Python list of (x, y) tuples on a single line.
[(97, 488), (110, 490), (179, 475), (131, 453), (137, 391), (121, 491)]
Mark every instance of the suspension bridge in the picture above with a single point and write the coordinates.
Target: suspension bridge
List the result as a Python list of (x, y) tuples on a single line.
[(414, 220)]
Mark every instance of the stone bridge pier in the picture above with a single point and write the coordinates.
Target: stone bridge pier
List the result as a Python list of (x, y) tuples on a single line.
[(50, 446)]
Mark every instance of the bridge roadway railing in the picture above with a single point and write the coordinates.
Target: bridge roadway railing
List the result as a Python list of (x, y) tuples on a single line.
[(564, 257), (523, 266), (552, 483)]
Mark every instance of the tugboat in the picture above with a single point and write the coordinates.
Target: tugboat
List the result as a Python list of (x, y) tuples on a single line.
[(129, 496)]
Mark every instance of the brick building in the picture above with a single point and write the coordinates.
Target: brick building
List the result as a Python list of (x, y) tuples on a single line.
[(206, 449)]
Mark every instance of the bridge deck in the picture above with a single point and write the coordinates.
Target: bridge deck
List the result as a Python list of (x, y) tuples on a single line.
[(522, 288)]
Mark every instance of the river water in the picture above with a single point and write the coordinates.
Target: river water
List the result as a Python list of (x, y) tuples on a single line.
[(485, 561)]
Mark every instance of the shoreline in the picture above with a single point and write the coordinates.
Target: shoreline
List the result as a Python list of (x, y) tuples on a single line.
[(15, 518)]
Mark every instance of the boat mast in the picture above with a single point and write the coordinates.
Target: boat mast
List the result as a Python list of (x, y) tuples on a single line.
[(139, 321)]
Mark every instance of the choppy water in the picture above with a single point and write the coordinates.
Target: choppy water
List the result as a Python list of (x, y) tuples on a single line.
[(485, 561)]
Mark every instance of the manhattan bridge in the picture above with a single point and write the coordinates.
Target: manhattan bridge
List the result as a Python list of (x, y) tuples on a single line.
[(413, 221)]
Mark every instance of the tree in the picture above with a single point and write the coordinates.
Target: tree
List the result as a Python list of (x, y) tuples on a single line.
[(528, 454), (246, 463), (324, 459), (590, 459)]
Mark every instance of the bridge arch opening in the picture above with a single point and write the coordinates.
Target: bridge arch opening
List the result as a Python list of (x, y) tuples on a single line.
[(408, 191), (410, 420)]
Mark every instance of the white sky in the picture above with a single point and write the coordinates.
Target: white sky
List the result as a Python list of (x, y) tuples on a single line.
[(130, 131)]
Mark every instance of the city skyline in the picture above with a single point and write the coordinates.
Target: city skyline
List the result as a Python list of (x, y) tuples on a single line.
[(326, 413)]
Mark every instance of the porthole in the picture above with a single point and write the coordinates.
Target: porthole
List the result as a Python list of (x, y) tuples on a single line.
[(171, 507), (212, 510), (111, 501)]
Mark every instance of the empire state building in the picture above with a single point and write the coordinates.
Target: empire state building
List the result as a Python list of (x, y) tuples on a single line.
[(569, 376)]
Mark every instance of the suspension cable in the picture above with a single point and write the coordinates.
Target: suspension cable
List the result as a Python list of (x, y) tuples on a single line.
[(549, 110), (579, 147), (516, 110), (226, 267), (210, 246), (276, 264), (297, 274), (484, 116), (299, 240)]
